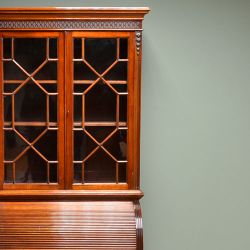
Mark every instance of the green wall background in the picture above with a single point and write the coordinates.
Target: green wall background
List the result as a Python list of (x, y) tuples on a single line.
[(195, 156)]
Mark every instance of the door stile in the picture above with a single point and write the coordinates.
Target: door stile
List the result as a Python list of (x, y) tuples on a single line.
[(61, 111), (68, 72)]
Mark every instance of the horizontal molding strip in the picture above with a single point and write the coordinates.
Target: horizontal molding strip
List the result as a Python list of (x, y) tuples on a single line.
[(72, 24), (70, 195)]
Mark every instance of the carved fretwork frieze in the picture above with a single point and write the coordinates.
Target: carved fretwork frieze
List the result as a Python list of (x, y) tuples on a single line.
[(71, 24)]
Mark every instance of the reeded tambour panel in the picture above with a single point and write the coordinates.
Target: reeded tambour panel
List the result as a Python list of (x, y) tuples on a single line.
[(30, 108), (68, 225), (100, 128)]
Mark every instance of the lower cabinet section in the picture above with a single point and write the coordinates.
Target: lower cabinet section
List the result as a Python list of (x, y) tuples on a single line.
[(70, 225)]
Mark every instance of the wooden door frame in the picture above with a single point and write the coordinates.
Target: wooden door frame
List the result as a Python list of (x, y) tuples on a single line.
[(65, 104), (60, 103), (131, 179)]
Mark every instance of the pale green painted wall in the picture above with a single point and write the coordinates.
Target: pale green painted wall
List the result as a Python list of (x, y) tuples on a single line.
[(195, 121)]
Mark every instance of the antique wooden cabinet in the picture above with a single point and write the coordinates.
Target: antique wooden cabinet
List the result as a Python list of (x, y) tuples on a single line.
[(70, 128)]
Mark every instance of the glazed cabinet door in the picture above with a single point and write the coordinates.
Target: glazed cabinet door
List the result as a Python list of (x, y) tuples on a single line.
[(32, 110), (100, 97), (69, 104)]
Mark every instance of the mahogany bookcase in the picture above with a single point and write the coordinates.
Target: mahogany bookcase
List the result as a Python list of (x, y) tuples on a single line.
[(70, 128)]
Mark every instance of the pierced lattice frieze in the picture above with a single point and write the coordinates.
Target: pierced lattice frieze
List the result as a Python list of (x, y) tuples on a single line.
[(75, 24)]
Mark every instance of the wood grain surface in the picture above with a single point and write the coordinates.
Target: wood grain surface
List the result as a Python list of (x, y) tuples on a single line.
[(67, 225)]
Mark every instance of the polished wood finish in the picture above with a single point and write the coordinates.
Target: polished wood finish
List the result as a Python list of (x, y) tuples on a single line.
[(139, 226), (57, 13), (130, 124), (68, 215), (68, 225), (61, 94), (17, 195)]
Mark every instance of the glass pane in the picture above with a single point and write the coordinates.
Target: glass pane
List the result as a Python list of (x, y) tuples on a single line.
[(120, 88), (77, 173), (30, 52), (31, 168), (30, 133), (122, 172), (83, 145), (100, 52), (53, 173), (77, 108), (30, 103), (53, 108), (123, 108), (13, 145), (10, 88), (123, 48), (47, 72), (50, 153), (7, 48), (80, 88), (78, 48), (8, 173), (83, 72), (117, 144), (100, 168), (50, 88), (52, 47), (7, 108), (13, 72), (100, 133), (118, 72), (100, 103)]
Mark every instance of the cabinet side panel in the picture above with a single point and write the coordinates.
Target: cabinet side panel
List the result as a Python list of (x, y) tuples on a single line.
[(135, 112), (131, 120), (1, 114)]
